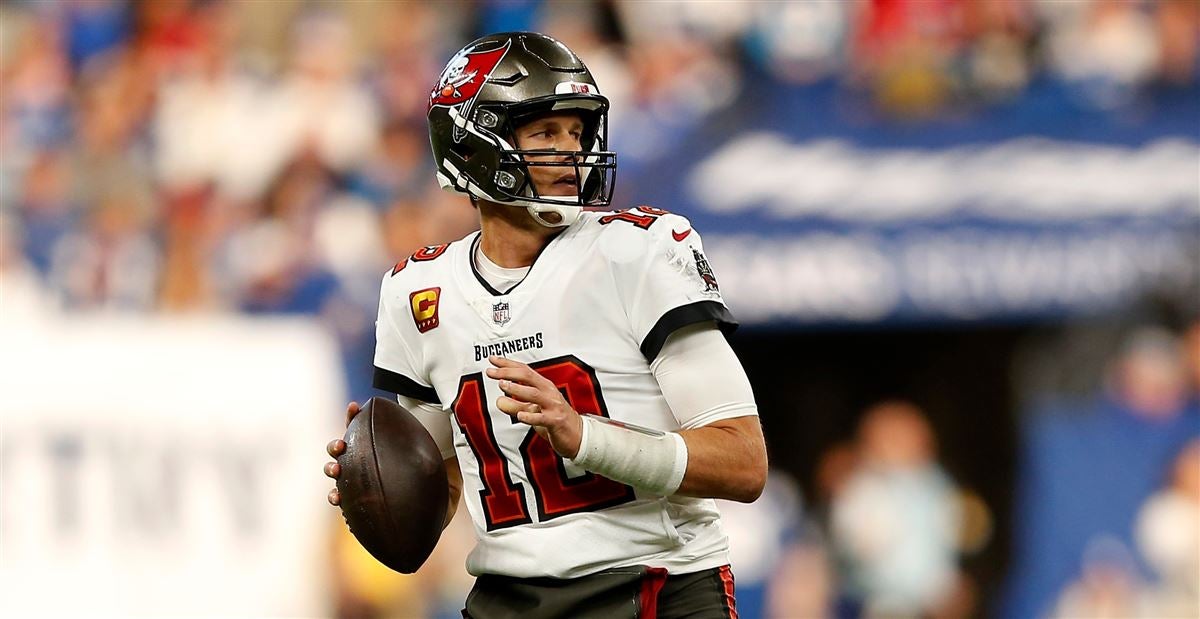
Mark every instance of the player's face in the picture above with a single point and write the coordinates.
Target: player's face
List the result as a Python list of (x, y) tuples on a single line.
[(561, 132)]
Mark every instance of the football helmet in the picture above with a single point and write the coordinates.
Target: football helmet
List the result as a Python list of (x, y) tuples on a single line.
[(498, 83)]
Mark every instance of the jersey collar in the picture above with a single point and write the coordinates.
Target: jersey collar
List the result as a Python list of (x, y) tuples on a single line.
[(536, 270)]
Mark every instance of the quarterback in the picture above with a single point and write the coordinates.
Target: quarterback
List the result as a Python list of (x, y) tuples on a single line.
[(568, 360)]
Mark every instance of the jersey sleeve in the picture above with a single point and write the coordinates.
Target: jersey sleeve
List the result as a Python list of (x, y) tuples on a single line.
[(670, 285), (701, 378), (397, 369), (435, 421)]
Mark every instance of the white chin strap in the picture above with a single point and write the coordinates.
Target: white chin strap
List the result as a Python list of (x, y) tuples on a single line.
[(567, 215)]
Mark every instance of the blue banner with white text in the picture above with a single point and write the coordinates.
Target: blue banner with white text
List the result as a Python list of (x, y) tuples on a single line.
[(812, 215)]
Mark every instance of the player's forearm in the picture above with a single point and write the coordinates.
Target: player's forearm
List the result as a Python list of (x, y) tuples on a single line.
[(701, 380), (726, 460)]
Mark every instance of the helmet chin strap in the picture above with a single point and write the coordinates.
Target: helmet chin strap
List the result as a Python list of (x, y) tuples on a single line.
[(567, 215)]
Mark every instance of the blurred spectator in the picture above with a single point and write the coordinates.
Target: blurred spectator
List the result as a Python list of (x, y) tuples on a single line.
[(112, 263), (1178, 40), (398, 167), (1149, 380), (168, 33), (799, 42), (111, 152), (680, 58), (204, 112), (804, 583), (45, 208), (37, 82), (895, 524), (22, 295), (348, 238), (1087, 469), (320, 104), (193, 222), (904, 51), (1168, 535), (835, 469), (1108, 586), (1108, 49), (274, 262), (997, 63)]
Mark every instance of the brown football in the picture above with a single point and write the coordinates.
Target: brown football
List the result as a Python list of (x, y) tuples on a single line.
[(393, 485)]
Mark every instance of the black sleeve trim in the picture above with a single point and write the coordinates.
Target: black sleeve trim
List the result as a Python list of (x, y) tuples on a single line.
[(388, 380), (683, 316)]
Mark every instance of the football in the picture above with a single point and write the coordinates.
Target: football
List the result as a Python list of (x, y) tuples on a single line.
[(393, 485)]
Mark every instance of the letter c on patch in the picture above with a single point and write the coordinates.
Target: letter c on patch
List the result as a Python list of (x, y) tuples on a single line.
[(424, 304)]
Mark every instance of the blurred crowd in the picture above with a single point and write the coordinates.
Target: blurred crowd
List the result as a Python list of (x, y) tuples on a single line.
[(184, 155), (176, 156), (1108, 497), (885, 535)]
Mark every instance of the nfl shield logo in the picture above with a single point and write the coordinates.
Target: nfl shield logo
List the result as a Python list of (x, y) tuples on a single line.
[(500, 313)]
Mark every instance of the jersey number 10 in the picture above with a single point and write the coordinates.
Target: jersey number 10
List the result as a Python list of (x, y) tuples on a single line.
[(555, 494)]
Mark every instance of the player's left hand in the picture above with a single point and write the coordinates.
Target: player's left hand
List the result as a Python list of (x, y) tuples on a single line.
[(534, 400)]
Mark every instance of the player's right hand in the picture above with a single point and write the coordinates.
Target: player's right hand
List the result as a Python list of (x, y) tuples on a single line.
[(335, 448)]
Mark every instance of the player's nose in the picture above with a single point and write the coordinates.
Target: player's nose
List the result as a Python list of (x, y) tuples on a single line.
[(566, 142)]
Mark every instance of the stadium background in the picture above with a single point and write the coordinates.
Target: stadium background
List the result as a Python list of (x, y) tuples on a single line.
[(963, 237)]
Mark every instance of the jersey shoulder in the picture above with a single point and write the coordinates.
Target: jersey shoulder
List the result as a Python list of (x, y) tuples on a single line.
[(409, 300), (631, 234), (424, 267)]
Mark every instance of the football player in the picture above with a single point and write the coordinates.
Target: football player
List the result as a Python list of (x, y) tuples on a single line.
[(569, 361)]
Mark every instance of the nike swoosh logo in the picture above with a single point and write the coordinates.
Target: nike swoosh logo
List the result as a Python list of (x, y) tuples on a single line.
[(679, 236)]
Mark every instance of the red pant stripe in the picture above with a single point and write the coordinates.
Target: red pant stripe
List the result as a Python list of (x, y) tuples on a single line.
[(727, 581), (652, 583)]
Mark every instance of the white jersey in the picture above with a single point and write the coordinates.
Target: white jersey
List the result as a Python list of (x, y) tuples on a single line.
[(592, 313)]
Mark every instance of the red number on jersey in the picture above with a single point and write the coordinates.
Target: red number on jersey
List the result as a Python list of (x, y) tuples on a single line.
[(503, 501), (430, 252), (644, 221), (555, 493)]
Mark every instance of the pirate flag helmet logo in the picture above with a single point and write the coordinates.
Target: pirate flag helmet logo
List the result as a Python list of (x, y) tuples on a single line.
[(464, 75)]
